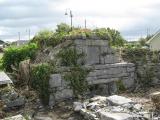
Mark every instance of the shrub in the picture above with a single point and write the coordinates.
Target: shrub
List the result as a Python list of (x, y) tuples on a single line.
[(102, 33), (77, 79), (40, 75), (47, 38), (79, 33), (42, 38), (14, 55)]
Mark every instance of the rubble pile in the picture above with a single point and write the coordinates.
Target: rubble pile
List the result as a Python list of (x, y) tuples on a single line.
[(11, 99), (111, 108)]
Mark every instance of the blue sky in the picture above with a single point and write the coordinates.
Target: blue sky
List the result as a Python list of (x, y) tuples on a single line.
[(133, 18)]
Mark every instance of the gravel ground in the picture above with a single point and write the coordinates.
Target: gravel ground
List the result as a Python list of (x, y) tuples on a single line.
[(64, 110)]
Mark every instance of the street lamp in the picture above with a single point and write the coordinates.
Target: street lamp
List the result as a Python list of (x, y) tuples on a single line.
[(70, 15)]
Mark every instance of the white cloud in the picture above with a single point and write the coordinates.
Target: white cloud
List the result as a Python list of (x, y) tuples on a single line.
[(131, 17)]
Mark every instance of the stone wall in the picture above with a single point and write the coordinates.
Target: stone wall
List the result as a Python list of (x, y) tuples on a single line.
[(105, 75), (96, 51), (153, 71), (105, 66), (147, 64), (112, 72)]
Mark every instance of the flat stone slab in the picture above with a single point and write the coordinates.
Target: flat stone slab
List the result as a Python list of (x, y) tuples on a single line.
[(17, 117), (115, 116), (4, 79), (118, 100)]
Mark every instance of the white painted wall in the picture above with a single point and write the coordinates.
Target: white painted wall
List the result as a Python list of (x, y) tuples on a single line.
[(155, 43)]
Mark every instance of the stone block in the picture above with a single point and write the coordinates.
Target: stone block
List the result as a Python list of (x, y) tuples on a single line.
[(17, 117), (55, 80), (42, 118), (130, 69), (100, 81), (128, 81), (18, 102), (92, 55), (114, 116), (4, 79), (155, 97), (64, 94), (51, 100), (65, 83), (118, 100)]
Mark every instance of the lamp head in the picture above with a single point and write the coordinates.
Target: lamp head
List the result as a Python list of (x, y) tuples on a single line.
[(66, 13)]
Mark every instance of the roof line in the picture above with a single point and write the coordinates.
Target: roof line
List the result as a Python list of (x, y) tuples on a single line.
[(153, 36)]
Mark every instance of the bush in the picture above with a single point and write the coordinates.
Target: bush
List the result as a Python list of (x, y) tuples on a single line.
[(42, 38), (40, 75), (79, 33), (14, 55), (77, 79), (46, 38), (102, 33)]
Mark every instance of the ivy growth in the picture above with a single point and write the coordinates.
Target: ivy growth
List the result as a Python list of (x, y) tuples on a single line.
[(77, 74), (70, 57), (142, 58)]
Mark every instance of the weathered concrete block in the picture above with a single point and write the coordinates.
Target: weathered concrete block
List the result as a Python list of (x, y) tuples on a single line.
[(55, 80), (16, 103), (155, 97), (114, 116), (64, 94), (42, 118), (65, 83), (52, 100), (118, 100), (128, 81), (17, 117), (92, 55), (4, 79), (100, 81)]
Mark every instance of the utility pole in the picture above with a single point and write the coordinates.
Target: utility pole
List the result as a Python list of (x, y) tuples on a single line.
[(70, 15), (19, 37), (85, 23), (29, 33), (148, 32)]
